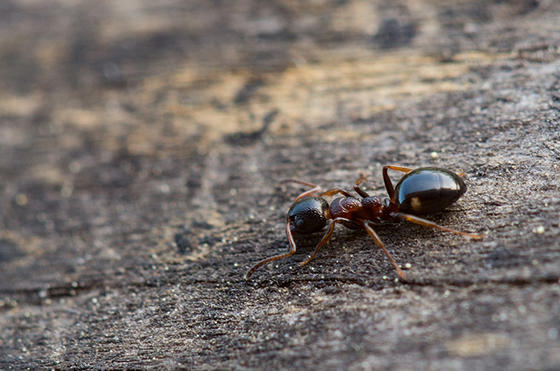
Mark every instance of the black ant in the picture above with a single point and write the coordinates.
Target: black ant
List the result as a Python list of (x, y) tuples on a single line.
[(421, 191)]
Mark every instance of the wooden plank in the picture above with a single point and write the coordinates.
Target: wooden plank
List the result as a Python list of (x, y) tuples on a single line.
[(142, 148)]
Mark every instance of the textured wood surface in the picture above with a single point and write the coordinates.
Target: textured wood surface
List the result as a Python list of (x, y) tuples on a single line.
[(141, 149)]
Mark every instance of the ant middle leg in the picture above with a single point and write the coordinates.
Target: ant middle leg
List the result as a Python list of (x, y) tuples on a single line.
[(429, 224), (335, 191), (367, 226), (360, 180)]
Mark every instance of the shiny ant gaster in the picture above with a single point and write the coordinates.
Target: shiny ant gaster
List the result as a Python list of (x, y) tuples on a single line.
[(421, 191)]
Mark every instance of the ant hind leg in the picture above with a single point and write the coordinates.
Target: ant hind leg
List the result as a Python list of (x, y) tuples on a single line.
[(429, 224), (388, 184)]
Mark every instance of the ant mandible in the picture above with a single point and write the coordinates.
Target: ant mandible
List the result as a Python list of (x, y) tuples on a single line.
[(420, 191)]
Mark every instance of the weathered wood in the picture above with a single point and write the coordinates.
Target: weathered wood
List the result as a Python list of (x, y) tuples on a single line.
[(141, 149)]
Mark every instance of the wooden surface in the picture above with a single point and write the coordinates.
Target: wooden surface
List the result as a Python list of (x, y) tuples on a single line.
[(141, 149)]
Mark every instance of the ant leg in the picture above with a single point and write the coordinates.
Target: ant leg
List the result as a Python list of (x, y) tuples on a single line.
[(314, 188), (334, 191), (378, 242), (388, 184), (324, 240), (357, 183), (276, 257), (426, 223)]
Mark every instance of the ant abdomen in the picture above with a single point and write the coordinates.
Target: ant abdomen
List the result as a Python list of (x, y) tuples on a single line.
[(428, 190)]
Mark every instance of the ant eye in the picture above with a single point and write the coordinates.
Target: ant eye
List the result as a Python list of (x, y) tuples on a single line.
[(298, 223)]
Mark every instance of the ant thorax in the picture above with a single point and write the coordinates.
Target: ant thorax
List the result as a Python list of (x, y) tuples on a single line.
[(376, 207), (344, 207), (367, 208)]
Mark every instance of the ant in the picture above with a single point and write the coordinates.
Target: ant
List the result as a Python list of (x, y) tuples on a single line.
[(420, 191)]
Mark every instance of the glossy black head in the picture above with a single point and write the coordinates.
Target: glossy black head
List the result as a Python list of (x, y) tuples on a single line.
[(428, 190), (308, 215)]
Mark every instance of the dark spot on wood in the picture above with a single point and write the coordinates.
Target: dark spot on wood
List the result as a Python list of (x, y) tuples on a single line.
[(182, 242), (248, 90), (243, 139), (201, 224), (392, 34), (9, 251), (503, 257)]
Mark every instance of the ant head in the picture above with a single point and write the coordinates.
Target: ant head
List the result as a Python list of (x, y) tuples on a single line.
[(308, 215)]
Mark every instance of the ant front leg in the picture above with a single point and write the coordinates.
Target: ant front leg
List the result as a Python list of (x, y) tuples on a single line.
[(388, 184), (324, 240), (276, 257)]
